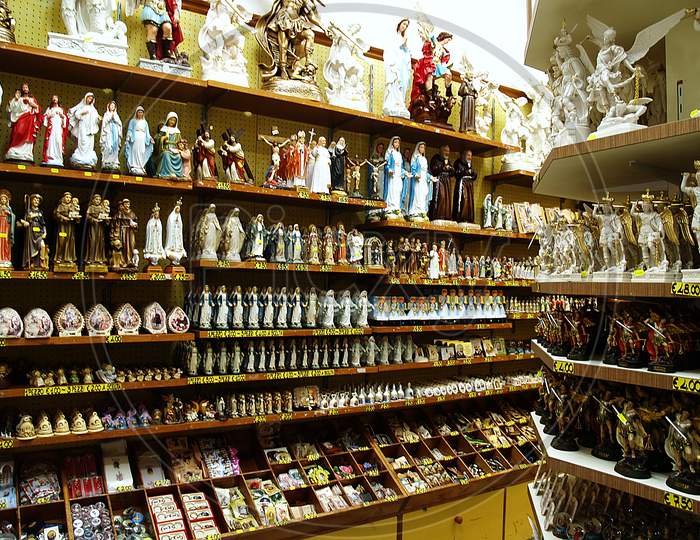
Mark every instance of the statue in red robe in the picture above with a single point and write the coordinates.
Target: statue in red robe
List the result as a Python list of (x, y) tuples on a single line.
[(25, 122)]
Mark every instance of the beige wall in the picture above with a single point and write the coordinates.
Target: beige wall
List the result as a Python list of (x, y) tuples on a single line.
[(682, 63)]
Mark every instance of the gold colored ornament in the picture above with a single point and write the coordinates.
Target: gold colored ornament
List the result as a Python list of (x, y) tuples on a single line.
[(7, 23)]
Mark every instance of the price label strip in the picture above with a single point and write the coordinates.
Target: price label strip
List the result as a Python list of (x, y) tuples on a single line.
[(678, 501), (679, 288), (563, 366), (684, 384)]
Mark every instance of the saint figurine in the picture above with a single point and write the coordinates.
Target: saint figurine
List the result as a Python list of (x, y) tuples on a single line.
[(111, 138), (209, 235), (84, 124), (123, 237), (468, 94), (463, 199), (25, 122), (204, 154), (35, 255), (321, 179), (56, 124), (397, 68), (344, 69), (275, 142), (442, 169), (236, 167), (338, 158), (7, 229), (96, 217), (139, 143), (174, 237), (66, 218), (394, 185), (421, 185), (169, 164), (233, 237), (154, 251), (256, 239), (299, 160), (161, 19)]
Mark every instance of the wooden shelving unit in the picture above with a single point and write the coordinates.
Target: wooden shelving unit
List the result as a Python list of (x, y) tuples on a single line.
[(262, 266), (512, 178), (197, 380), (682, 381), (583, 465), (608, 289), (218, 425), (458, 282), (481, 234), (95, 340), (38, 275)]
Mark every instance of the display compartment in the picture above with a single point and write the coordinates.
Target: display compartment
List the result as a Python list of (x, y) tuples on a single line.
[(459, 445), (358, 492), (95, 501), (238, 516), (420, 453), (367, 463), (195, 515), (495, 461), (343, 466), (514, 457), (303, 504), (290, 476), (397, 457), (52, 515), (11, 516), (440, 449), (385, 487), (476, 466), (531, 452)]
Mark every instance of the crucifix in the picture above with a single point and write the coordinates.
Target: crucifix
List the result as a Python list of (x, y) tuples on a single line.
[(275, 142)]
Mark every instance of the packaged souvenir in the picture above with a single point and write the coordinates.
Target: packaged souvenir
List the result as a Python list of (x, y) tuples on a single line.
[(37, 324), (127, 320), (154, 319), (69, 321), (98, 321)]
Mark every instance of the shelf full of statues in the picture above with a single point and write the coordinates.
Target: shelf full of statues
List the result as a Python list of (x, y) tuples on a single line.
[(567, 506), (627, 437), (647, 241)]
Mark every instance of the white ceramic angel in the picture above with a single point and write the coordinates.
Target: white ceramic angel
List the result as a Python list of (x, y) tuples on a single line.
[(174, 235), (516, 132), (154, 251), (344, 69), (363, 306), (610, 236), (233, 237), (651, 235), (221, 41)]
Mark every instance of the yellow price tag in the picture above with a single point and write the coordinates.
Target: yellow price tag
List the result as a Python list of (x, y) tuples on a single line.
[(88, 174), (678, 288), (678, 501), (563, 366), (638, 272), (22, 167), (684, 384), (54, 170), (114, 339), (695, 113)]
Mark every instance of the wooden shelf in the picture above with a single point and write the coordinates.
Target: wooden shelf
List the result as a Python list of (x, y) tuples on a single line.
[(253, 377), (536, 502), (585, 171), (513, 178), (262, 266), (401, 225), (95, 340), (583, 465), (594, 288), (169, 429), (288, 196), (682, 381), (523, 316), (57, 175), (35, 275), (419, 328), (458, 282), (278, 332), (30, 61)]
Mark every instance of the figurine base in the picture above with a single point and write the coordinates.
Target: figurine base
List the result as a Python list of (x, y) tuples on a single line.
[(65, 267), (614, 129), (6, 35), (572, 134), (398, 113), (517, 161), (355, 104), (662, 366), (631, 363), (96, 268), (154, 269), (611, 276), (633, 468), (165, 67), (339, 193), (239, 78), (175, 269), (686, 482), (95, 49), (656, 277), (292, 87), (565, 442), (691, 275), (444, 223), (586, 439)]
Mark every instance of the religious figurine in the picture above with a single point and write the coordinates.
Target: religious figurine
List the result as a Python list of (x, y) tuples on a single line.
[(83, 122), (339, 154), (97, 218), (7, 23), (442, 170), (251, 302), (463, 199), (111, 138), (35, 255), (611, 234), (276, 249), (468, 94), (221, 41), (237, 306), (295, 244), (634, 440), (91, 31), (209, 235), (204, 154), (236, 167), (329, 245), (681, 446), (223, 307), (7, 229), (275, 142), (154, 251), (422, 181), (328, 309), (693, 193), (174, 239), (487, 209), (312, 244), (25, 122), (65, 256), (394, 184), (123, 237), (286, 36), (427, 104), (353, 176), (169, 159), (205, 308), (321, 179), (161, 19), (434, 263), (397, 71), (344, 69), (232, 237), (651, 235), (515, 132), (56, 124), (256, 239), (355, 242), (139, 143)]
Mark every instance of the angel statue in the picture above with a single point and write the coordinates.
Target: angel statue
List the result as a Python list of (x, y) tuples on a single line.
[(484, 94), (344, 70), (615, 82), (693, 193), (286, 36), (651, 235), (516, 132), (221, 42), (539, 124), (611, 233), (91, 31)]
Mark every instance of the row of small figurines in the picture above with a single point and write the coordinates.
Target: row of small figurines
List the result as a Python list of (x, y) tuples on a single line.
[(69, 321), (105, 374), (276, 308), (270, 356), (443, 308), (110, 236)]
